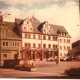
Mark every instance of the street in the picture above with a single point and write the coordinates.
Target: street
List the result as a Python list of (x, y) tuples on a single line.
[(43, 69)]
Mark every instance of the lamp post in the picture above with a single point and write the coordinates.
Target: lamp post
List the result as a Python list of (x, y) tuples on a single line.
[(1, 25), (58, 59)]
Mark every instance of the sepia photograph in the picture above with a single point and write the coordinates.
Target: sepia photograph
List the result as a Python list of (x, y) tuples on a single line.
[(39, 39)]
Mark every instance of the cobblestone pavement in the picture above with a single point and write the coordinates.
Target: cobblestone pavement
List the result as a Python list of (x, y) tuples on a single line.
[(43, 69)]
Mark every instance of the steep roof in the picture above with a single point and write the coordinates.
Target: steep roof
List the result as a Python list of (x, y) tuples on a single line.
[(11, 26), (76, 44), (37, 25)]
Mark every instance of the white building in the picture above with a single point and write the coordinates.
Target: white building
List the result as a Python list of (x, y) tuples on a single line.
[(42, 40)]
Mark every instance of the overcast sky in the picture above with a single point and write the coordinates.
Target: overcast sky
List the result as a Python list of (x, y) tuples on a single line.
[(57, 12)]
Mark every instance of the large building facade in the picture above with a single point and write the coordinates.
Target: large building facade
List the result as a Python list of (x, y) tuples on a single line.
[(35, 40), (41, 40)]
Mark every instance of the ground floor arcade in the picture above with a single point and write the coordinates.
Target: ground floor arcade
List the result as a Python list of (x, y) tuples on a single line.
[(38, 54)]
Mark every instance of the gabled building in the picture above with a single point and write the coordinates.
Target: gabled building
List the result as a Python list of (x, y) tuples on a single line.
[(41, 40), (10, 42), (36, 40)]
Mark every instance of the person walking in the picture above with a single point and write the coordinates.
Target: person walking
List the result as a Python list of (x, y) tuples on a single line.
[(57, 60)]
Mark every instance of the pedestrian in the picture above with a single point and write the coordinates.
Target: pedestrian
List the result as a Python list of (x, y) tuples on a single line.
[(57, 60)]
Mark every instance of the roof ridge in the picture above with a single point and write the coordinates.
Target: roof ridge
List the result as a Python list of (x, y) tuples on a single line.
[(56, 25)]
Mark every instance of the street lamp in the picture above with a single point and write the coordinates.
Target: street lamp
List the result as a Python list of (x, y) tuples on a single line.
[(1, 23), (58, 59)]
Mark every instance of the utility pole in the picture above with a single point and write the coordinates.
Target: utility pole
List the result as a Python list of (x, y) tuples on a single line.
[(1, 25)]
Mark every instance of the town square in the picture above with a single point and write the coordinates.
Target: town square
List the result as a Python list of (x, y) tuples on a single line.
[(40, 39)]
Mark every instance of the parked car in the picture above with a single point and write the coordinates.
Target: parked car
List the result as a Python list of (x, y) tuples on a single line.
[(26, 67), (50, 59), (55, 58), (67, 58), (78, 58), (71, 59), (62, 58)]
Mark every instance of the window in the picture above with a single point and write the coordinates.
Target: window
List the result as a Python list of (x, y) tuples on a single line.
[(54, 47), (25, 35), (4, 56), (65, 34), (24, 28), (49, 31), (39, 45), (68, 48), (60, 40), (29, 36), (44, 45), (34, 36), (27, 22), (68, 41), (34, 45), (15, 44), (39, 37), (55, 38), (49, 37), (30, 29), (44, 37), (49, 45), (29, 45), (62, 34), (60, 47), (64, 47), (64, 41), (25, 44), (5, 44)]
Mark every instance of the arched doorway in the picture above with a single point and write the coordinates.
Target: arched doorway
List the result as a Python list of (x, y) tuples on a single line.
[(38, 55), (26, 54)]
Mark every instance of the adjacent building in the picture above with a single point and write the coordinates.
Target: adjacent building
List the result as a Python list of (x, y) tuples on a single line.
[(75, 49), (10, 42)]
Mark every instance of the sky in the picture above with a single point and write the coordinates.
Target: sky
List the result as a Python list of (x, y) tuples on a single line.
[(57, 12)]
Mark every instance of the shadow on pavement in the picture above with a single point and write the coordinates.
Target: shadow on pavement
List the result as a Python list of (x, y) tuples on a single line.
[(53, 77)]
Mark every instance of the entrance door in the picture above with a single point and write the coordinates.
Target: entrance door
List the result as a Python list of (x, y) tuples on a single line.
[(15, 56), (37, 55)]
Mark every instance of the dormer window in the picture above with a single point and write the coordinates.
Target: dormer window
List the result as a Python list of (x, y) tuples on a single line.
[(24, 28), (30, 29), (44, 30), (27, 25), (27, 22), (49, 31), (62, 34), (65, 34)]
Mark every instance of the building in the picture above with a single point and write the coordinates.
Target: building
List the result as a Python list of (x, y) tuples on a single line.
[(75, 49), (37, 40), (10, 42), (41, 40)]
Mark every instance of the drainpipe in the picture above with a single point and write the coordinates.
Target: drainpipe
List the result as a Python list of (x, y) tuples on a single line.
[(0, 47)]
